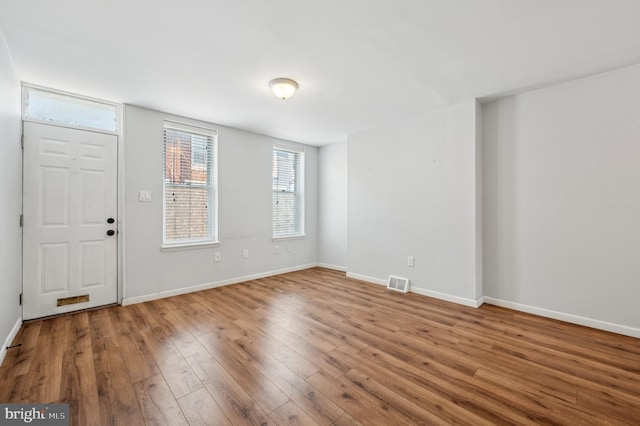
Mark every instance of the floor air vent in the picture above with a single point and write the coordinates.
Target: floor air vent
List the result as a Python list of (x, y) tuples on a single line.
[(398, 284)]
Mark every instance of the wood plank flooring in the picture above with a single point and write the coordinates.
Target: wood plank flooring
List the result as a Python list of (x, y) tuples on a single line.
[(316, 348)]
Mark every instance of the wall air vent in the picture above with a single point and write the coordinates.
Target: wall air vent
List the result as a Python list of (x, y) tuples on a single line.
[(398, 284)]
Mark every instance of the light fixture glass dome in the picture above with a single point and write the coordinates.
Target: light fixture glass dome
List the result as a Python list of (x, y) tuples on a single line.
[(283, 87)]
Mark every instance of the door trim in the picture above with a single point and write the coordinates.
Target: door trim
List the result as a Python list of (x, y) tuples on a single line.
[(120, 276), (120, 165)]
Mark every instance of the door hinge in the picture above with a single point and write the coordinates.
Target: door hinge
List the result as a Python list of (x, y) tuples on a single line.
[(22, 140), (20, 299), (21, 220)]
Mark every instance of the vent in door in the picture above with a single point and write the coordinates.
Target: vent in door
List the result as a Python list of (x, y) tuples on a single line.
[(398, 284), (72, 300)]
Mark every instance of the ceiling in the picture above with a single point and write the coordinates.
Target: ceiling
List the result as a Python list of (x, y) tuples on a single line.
[(358, 62)]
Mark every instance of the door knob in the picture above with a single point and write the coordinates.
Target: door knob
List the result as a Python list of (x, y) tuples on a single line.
[(110, 220), (111, 232)]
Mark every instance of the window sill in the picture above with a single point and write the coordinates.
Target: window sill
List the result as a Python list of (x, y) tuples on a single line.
[(189, 246), (289, 237)]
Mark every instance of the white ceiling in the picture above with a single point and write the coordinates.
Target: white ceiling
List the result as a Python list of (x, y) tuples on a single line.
[(358, 62)]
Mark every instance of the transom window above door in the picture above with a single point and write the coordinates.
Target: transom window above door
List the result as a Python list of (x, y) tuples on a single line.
[(65, 109)]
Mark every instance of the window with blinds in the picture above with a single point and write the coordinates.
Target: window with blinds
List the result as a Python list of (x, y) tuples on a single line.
[(189, 184), (288, 201)]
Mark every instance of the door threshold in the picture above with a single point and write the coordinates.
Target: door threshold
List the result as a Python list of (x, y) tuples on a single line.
[(95, 308)]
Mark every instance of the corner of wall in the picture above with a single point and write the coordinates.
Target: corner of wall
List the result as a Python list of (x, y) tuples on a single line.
[(555, 245), (332, 205), (12, 335), (478, 201), (11, 206)]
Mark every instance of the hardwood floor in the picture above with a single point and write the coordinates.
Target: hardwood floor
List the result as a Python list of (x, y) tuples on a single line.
[(314, 347)]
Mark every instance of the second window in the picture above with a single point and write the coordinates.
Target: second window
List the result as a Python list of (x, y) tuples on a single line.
[(288, 192)]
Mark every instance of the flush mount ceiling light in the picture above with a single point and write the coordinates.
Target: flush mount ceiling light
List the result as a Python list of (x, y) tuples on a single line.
[(283, 87)]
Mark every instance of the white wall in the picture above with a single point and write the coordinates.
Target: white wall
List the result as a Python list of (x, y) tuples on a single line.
[(245, 178), (332, 204), (562, 200), (412, 192), (11, 205)]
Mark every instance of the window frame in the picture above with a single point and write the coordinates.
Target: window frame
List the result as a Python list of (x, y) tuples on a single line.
[(212, 173), (28, 87), (299, 192)]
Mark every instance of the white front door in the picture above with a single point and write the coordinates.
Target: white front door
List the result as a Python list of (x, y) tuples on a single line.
[(70, 220)]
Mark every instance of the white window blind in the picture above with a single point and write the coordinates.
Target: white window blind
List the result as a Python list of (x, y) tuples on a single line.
[(288, 202), (189, 184)]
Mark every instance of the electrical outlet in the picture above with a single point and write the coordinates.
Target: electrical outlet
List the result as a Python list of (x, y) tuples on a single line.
[(276, 249), (288, 248), (410, 261), (217, 257), (144, 196), (245, 253)]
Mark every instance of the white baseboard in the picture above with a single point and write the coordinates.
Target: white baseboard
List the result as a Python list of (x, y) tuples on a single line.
[(330, 266), (169, 293), (574, 319), (430, 293), (12, 335), (366, 278), (448, 297)]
